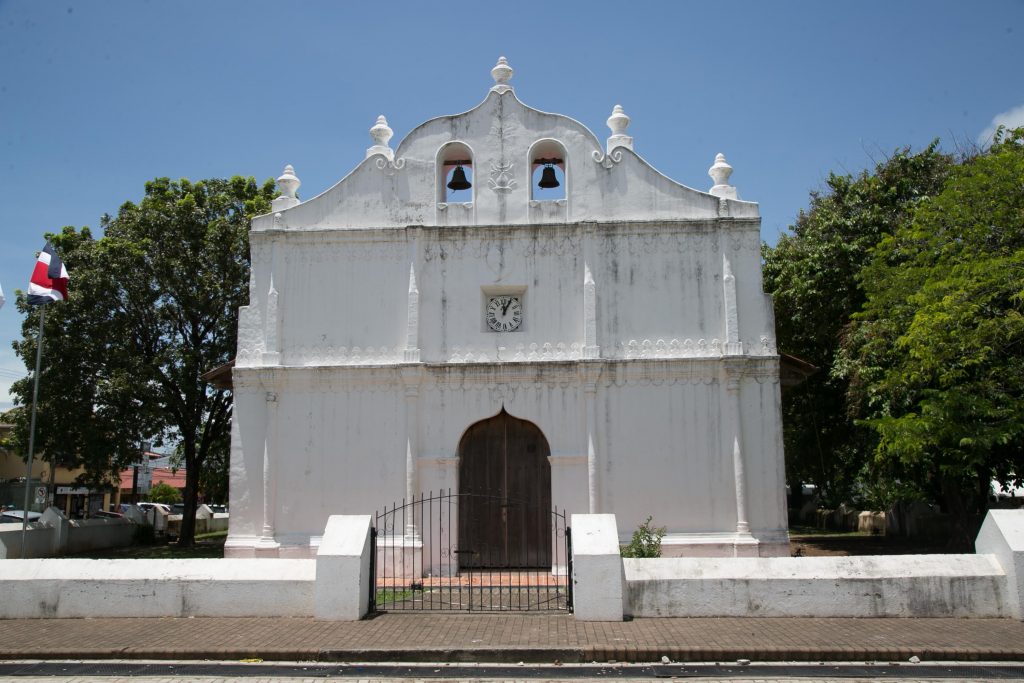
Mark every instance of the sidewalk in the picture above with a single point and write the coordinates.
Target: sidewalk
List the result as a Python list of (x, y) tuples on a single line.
[(540, 638)]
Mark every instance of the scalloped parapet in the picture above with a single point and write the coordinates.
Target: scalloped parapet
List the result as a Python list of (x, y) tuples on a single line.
[(500, 139)]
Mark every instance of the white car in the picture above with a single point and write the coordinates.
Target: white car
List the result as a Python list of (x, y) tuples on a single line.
[(146, 507), (18, 516)]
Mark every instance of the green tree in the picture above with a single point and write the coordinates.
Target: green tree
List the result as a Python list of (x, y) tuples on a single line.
[(162, 492), (936, 356), (812, 274), (154, 304)]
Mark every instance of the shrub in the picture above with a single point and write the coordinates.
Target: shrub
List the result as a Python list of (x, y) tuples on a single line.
[(646, 541), (164, 493)]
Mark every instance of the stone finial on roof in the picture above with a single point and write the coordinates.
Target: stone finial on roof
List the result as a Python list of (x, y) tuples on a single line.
[(720, 172), (381, 134), (618, 122), (289, 184), (502, 74)]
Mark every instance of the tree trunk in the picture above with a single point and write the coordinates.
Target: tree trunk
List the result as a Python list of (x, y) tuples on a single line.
[(960, 534), (187, 536)]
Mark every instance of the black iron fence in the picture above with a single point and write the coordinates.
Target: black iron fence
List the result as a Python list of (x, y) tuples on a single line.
[(470, 552)]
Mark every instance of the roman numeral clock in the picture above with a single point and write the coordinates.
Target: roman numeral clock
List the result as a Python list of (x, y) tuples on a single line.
[(504, 313)]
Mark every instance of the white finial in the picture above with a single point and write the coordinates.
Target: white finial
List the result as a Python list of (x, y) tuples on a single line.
[(618, 122), (381, 134), (288, 182), (502, 74), (720, 172)]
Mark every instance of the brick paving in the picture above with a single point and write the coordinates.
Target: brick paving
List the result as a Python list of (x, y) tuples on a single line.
[(540, 638)]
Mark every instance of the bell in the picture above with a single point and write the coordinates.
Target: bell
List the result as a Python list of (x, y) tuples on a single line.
[(458, 181), (548, 180)]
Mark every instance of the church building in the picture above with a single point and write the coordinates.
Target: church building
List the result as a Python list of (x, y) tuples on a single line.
[(503, 304)]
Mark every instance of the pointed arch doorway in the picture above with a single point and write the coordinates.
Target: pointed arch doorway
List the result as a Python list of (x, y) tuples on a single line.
[(505, 501)]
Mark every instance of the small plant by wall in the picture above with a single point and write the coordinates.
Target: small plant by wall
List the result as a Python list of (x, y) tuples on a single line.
[(646, 541)]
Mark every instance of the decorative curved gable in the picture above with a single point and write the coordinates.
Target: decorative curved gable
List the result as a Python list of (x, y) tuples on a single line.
[(502, 138)]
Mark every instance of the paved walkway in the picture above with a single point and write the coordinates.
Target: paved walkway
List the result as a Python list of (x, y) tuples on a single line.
[(540, 638)]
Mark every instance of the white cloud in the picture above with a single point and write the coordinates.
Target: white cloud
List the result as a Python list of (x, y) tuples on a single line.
[(1014, 118)]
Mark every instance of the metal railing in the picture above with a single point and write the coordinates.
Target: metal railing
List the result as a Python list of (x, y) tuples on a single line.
[(470, 552)]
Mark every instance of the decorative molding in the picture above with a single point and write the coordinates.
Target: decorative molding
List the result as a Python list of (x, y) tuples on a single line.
[(342, 355), (443, 206), (523, 353), (501, 179), (607, 160), (674, 348), (388, 166)]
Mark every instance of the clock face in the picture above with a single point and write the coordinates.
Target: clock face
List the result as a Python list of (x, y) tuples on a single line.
[(504, 313)]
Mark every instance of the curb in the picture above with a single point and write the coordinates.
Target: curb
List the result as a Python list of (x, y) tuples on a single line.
[(538, 655)]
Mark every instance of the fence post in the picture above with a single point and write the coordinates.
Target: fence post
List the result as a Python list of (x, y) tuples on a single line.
[(597, 568), (343, 578)]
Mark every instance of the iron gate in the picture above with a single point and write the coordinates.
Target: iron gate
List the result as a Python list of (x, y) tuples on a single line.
[(427, 556)]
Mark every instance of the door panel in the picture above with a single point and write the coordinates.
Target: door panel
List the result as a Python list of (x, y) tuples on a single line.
[(504, 522)]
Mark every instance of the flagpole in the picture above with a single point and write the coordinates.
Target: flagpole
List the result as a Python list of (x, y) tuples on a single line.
[(32, 430)]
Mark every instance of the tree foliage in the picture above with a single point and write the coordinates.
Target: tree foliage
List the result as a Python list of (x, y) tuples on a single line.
[(154, 303), (813, 276), (935, 356), (162, 492)]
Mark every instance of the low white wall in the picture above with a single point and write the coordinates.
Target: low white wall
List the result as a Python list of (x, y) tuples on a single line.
[(870, 586), (74, 588), (54, 535), (38, 541), (94, 534)]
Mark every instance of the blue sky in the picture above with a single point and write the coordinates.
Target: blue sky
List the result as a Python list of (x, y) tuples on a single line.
[(98, 97)]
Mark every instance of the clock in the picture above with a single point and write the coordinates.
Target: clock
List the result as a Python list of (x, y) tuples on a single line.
[(504, 313)]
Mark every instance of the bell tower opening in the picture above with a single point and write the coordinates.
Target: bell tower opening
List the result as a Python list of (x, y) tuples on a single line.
[(547, 171), (455, 173)]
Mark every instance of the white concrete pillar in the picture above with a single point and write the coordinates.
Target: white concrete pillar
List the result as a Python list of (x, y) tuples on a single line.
[(266, 543), (590, 347), (412, 326), (734, 421), (1002, 536), (411, 379), (597, 572), (343, 581)]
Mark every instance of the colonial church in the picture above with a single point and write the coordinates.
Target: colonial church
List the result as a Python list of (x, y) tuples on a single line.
[(503, 304)]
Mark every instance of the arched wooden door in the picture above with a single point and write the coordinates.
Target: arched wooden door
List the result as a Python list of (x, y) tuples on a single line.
[(505, 501)]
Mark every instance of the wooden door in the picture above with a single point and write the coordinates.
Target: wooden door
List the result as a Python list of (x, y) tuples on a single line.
[(505, 495)]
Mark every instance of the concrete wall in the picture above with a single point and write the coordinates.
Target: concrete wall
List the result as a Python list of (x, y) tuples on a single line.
[(94, 534), (55, 535), (38, 541), (72, 588), (870, 586)]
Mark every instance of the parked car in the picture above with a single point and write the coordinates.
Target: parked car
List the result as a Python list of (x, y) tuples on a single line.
[(219, 508), (177, 508), (18, 516), (146, 507)]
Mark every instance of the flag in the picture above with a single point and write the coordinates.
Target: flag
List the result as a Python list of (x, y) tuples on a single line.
[(2, 299), (49, 280)]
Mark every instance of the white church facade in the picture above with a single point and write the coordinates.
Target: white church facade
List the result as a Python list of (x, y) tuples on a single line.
[(600, 346)]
